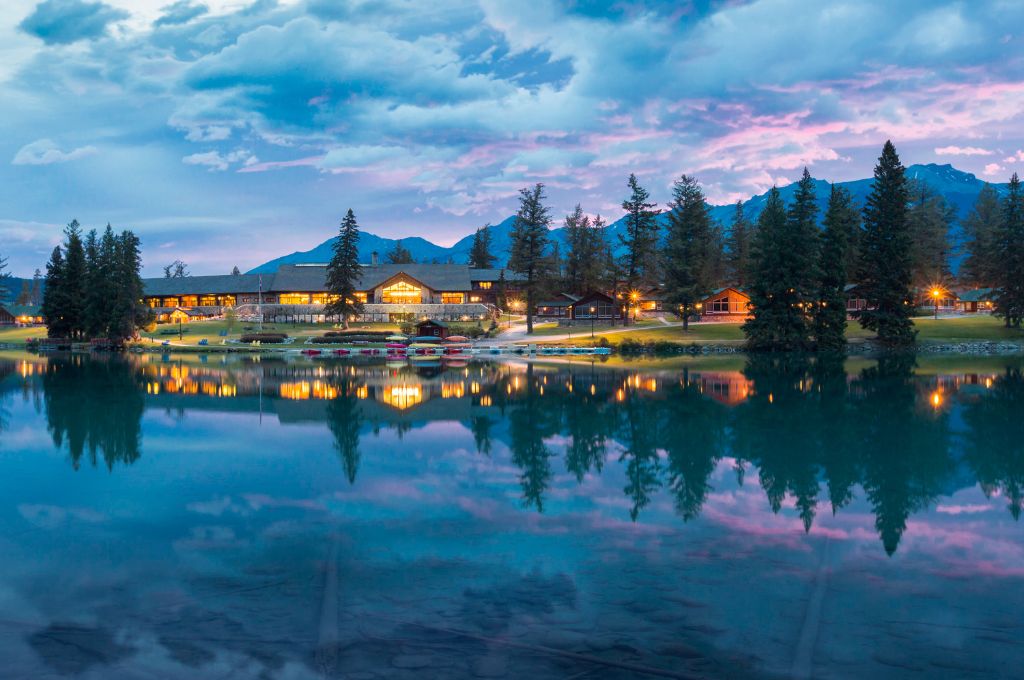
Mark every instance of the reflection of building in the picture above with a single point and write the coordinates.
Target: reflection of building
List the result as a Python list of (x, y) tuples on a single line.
[(389, 293), (726, 387)]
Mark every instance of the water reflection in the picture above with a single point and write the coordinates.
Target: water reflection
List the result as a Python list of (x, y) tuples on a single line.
[(815, 431)]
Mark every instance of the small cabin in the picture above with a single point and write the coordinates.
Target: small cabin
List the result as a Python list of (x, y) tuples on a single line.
[(432, 328), (20, 315), (597, 305), (183, 315), (558, 307), (974, 301), (725, 304)]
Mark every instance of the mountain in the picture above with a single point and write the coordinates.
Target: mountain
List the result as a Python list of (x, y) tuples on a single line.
[(14, 286), (958, 187)]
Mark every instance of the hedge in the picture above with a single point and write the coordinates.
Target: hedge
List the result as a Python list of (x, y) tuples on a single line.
[(269, 338)]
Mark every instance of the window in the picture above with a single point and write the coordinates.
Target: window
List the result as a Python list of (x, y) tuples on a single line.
[(294, 299), (226, 300), (474, 298), (327, 298), (452, 298), (484, 285), (208, 301), (402, 293), (189, 300), (153, 302), (719, 306), (170, 302)]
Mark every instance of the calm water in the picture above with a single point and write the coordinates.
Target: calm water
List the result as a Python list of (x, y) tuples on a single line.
[(209, 518)]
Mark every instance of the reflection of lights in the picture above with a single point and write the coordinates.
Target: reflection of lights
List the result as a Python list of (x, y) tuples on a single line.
[(402, 396), (306, 390), (988, 383), (771, 398), (620, 394), (936, 399), (593, 389), (486, 400)]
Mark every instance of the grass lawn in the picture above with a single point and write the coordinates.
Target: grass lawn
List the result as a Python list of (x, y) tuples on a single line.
[(967, 328), (18, 336), (653, 331), (545, 328), (192, 333)]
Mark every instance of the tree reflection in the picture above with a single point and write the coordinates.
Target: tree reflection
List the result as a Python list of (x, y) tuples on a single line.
[(345, 419), (638, 434), (995, 439), (530, 423), (95, 406)]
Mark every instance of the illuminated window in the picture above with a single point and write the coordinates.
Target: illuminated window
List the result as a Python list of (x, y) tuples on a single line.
[(170, 302), (474, 298), (153, 302), (208, 301), (294, 298), (484, 285), (402, 293), (189, 300), (452, 298), (226, 300), (719, 306)]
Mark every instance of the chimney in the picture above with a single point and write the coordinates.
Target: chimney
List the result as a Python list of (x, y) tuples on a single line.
[(374, 258)]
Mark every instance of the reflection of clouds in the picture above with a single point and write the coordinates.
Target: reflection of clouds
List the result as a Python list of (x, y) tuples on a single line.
[(210, 538), (216, 507), (52, 516), (948, 509)]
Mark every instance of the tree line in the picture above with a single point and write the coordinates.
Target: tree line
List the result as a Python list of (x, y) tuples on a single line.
[(93, 286)]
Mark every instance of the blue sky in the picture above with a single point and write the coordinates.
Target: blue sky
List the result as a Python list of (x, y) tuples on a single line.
[(228, 132)]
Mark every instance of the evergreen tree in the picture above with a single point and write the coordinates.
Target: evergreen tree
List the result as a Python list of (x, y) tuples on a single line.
[(830, 309), (480, 256), (640, 239), (37, 289), (399, 254), (737, 248), (783, 276), (587, 259), (1009, 275), (930, 218), (24, 296), (127, 313), (981, 232), (689, 247), (530, 237), (54, 295), (75, 273), (886, 255), (5, 278), (344, 272), (100, 275), (235, 271), (176, 270)]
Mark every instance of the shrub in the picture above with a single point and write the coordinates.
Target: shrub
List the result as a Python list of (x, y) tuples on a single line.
[(268, 338)]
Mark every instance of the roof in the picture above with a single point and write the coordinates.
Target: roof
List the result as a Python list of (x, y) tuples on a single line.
[(594, 295), (204, 285), (433, 322), (312, 278), (22, 310), (556, 303), (719, 291), (976, 295)]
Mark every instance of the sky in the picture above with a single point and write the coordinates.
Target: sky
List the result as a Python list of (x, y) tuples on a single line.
[(228, 132)]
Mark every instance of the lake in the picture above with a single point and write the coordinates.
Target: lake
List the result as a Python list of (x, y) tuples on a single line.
[(213, 517)]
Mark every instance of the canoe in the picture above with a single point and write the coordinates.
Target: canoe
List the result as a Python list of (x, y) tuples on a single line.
[(395, 345), (397, 337), (426, 338), (341, 352), (456, 338), (312, 352)]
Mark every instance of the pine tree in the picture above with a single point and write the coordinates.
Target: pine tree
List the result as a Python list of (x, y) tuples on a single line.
[(930, 218), (783, 280), (176, 270), (5, 278), (344, 272), (54, 296), (577, 239), (1009, 274), (235, 271), (689, 254), (738, 248), (74, 281), (127, 313), (981, 231), (639, 264), (37, 289), (529, 257), (399, 254), (24, 296), (886, 255), (830, 309), (100, 276), (480, 256)]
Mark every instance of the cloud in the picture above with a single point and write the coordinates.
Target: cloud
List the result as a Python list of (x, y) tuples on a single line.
[(992, 169), (61, 22), (214, 160), (46, 152), (180, 12), (962, 151)]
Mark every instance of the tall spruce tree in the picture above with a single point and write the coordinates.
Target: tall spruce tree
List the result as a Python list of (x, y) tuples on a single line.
[(127, 313), (24, 295), (689, 256), (344, 272), (639, 263), (981, 233), (586, 259), (783, 278), (930, 218), (75, 273), (841, 220), (1009, 274), (886, 255), (5, 278), (235, 271), (737, 248), (54, 296), (529, 257), (480, 256), (399, 254)]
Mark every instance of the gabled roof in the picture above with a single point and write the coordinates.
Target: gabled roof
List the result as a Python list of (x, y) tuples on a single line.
[(594, 295), (976, 295), (204, 285), (433, 322), (22, 310), (719, 291)]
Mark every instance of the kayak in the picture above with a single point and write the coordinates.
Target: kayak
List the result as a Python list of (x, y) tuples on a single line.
[(312, 352), (395, 345), (341, 352)]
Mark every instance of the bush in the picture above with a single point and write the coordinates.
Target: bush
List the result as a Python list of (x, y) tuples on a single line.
[(267, 338)]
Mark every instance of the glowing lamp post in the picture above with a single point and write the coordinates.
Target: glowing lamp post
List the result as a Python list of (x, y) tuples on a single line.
[(935, 296), (592, 322), (634, 297)]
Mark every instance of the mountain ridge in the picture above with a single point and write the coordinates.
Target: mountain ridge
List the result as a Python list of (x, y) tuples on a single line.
[(960, 188)]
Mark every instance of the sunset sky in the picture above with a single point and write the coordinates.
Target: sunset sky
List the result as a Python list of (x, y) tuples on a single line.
[(228, 132)]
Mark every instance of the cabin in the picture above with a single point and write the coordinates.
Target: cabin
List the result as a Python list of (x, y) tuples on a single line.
[(558, 307), (596, 305), (941, 300), (432, 328), (185, 315), (855, 301), (725, 304), (976, 301), (20, 315), (298, 292)]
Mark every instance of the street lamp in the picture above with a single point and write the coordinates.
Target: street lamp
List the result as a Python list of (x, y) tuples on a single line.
[(570, 323), (935, 295), (592, 322), (634, 297)]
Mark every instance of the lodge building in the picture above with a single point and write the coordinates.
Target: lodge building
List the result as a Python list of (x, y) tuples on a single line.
[(298, 292)]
